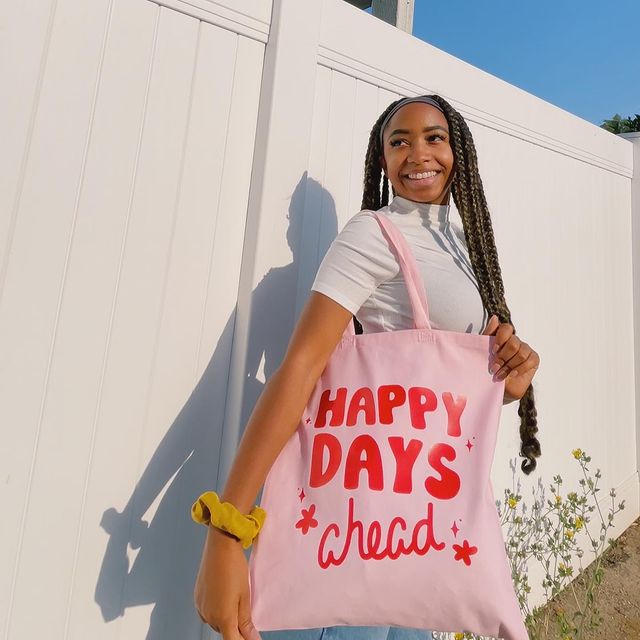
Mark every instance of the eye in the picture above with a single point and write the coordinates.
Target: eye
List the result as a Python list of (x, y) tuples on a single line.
[(437, 136), (397, 142)]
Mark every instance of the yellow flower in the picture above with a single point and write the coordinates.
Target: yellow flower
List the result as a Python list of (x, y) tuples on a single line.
[(513, 502), (558, 499), (579, 523), (577, 453), (565, 570), (459, 636), (569, 534)]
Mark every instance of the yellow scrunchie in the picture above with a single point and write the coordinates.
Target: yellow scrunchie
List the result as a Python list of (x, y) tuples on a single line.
[(208, 510)]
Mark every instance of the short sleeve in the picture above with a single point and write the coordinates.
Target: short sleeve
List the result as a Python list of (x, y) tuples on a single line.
[(357, 262)]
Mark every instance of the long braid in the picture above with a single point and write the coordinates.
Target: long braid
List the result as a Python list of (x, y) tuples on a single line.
[(372, 198), (468, 195)]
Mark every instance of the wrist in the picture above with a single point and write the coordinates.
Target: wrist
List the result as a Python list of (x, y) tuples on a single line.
[(506, 399), (219, 536), (224, 516)]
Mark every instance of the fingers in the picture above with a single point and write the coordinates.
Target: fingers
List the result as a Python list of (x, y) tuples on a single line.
[(511, 356), (228, 628), (513, 353), (530, 364), (524, 360), (229, 631), (492, 325), (504, 334), (240, 628), (245, 624), (504, 346)]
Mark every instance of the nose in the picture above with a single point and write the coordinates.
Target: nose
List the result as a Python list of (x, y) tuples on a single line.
[(419, 152)]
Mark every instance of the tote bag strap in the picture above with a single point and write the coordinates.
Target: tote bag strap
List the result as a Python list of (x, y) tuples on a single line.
[(410, 272)]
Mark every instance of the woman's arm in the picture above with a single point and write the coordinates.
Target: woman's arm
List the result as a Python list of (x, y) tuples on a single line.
[(276, 415), (221, 593)]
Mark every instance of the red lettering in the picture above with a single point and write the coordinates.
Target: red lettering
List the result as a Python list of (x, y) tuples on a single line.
[(331, 558), (390, 396), (352, 526), (421, 400), (400, 548), (318, 476), (370, 550), (449, 484), (429, 541), (405, 459), (355, 463), (336, 406), (362, 400), (454, 411), (374, 537)]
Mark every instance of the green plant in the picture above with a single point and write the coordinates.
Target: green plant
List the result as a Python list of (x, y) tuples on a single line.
[(618, 124), (550, 531)]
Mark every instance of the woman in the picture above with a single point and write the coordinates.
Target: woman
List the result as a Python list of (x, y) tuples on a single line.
[(425, 150)]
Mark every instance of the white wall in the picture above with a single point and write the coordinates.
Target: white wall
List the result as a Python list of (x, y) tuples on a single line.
[(169, 187), (129, 139), (634, 138)]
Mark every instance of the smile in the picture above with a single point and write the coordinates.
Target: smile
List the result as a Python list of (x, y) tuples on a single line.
[(422, 179), (420, 176)]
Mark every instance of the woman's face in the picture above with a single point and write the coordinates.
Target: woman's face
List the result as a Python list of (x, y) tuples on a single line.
[(418, 159)]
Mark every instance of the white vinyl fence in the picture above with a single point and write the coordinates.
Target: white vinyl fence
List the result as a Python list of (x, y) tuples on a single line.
[(171, 174)]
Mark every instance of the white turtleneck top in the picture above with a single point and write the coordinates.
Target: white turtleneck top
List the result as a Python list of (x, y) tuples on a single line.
[(360, 272)]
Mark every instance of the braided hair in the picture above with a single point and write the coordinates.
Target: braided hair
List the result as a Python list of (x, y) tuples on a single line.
[(470, 201)]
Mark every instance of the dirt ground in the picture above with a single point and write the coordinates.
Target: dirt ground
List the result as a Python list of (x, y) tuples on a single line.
[(619, 595)]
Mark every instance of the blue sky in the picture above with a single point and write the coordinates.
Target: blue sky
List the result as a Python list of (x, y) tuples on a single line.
[(582, 56)]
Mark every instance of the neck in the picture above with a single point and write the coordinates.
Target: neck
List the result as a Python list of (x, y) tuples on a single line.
[(436, 213)]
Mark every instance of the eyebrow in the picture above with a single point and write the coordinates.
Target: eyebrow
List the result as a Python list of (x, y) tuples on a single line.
[(425, 130)]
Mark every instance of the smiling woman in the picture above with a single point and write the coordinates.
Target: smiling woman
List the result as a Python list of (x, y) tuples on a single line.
[(425, 150), (417, 154), (425, 134)]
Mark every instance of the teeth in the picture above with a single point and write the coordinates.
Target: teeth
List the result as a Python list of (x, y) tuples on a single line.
[(420, 176)]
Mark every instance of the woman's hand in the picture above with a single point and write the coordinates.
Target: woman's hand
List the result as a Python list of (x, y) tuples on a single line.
[(512, 359), (221, 593)]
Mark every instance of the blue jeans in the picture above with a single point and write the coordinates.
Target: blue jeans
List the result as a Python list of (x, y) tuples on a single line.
[(350, 633), (374, 633)]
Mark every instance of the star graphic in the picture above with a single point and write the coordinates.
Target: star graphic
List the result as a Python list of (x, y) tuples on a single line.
[(455, 529), (464, 552), (468, 445), (308, 420), (301, 495), (307, 521)]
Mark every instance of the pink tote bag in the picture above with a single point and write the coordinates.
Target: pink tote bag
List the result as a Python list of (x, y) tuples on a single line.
[(380, 510)]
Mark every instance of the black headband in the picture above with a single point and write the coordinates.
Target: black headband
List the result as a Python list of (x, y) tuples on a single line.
[(425, 99)]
